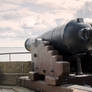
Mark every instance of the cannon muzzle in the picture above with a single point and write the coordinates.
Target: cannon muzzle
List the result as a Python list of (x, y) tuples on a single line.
[(28, 43)]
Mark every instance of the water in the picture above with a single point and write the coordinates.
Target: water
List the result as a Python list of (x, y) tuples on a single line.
[(14, 57)]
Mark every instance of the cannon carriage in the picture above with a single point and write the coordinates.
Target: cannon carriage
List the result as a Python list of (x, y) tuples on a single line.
[(63, 55)]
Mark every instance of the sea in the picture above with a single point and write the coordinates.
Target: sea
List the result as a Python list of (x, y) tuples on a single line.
[(14, 57)]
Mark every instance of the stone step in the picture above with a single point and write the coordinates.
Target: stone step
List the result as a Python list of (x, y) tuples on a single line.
[(53, 52), (49, 47), (58, 57), (46, 42)]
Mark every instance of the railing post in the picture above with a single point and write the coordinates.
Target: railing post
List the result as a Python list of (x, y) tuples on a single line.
[(9, 57)]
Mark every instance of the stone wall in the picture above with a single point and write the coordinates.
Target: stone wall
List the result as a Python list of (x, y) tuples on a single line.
[(15, 67), (11, 71)]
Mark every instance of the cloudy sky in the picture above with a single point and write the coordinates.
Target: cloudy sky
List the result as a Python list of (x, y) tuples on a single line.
[(21, 19)]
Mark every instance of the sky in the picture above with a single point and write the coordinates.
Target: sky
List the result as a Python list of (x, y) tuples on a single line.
[(21, 19)]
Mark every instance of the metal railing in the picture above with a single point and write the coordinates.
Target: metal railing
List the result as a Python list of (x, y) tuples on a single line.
[(16, 53)]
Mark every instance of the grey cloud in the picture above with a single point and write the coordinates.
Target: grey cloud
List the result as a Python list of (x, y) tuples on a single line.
[(58, 21), (6, 6), (8, 10), (4, 29), (33, 31), (85, 11), (18, 34), (10, 17), (36, 7), (27, 4), (17, 37)]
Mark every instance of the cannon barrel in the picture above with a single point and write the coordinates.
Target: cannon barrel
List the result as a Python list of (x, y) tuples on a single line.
[(72, 38), (28, 43)]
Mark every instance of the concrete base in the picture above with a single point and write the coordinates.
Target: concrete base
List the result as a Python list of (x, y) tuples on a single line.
[(51, 80), (41, 86), (14, 89)]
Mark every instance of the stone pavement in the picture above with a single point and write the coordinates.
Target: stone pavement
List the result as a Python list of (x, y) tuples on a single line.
[(14, 89)]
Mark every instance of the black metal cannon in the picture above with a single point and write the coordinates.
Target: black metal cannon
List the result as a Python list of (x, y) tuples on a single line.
[(63, 51), (73, 38)]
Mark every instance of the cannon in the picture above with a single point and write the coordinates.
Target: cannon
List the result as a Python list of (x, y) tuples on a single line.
[(72, 38), (63, 55)]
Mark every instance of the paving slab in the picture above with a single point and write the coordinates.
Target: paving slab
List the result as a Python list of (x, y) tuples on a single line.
[(14, 89)]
